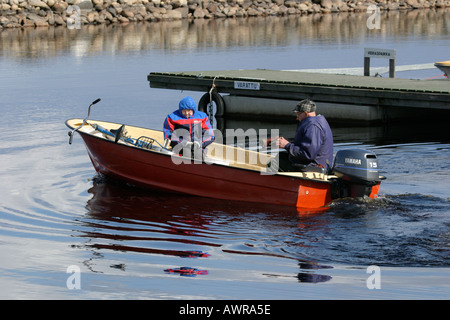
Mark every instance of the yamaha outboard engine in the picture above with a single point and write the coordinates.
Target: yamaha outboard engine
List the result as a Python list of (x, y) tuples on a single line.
[(357, 171)]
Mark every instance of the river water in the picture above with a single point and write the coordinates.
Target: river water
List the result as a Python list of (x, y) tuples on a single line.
[(58, 217)]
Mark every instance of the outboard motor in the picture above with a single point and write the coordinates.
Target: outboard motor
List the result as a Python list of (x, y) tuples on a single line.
[(357, 171)]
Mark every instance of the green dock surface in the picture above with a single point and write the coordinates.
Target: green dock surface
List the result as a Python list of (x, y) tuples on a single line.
[(294, 85)]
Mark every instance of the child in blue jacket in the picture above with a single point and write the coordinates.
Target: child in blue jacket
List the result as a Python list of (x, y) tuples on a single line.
[(188, 125)]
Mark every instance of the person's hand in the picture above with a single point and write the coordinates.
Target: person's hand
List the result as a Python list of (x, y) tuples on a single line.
[(197, 145), (269, 141), (282, 142), (186, 144)]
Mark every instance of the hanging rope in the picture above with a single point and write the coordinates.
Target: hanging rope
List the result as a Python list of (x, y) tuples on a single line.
[(210, 105)]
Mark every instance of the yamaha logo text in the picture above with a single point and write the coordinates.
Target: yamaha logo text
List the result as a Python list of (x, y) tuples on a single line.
[(353, 161)]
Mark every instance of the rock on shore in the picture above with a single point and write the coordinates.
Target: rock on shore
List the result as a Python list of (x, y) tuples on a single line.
[(44, 13)]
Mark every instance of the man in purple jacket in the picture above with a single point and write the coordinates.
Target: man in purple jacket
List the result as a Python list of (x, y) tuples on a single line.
[(313, 142)]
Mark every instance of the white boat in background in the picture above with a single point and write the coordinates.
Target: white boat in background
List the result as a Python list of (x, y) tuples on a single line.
[(444, 66)]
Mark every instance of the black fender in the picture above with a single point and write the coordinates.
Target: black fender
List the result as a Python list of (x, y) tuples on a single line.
[(205, 100)]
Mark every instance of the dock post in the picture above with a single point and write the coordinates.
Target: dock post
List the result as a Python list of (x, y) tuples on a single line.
[(392, 68), (366, 66), (379, 53)]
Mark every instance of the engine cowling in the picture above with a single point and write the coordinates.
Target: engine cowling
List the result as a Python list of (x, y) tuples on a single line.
[(357, 171)]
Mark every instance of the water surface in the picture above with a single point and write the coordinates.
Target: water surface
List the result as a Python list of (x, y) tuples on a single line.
[(56, 212)]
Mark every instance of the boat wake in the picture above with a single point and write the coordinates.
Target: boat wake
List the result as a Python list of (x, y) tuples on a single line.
[(393, 230)]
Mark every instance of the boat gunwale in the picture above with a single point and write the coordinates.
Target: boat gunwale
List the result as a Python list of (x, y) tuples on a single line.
[(308, 176)]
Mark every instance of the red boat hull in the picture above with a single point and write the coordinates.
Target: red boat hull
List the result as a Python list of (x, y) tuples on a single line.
[(158, 171)]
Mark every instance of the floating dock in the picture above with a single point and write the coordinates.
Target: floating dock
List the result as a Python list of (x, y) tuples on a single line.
[(274, 93)]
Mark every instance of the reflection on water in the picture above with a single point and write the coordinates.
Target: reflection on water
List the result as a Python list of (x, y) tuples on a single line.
[(130, 219), (121, 211), (342, 29)]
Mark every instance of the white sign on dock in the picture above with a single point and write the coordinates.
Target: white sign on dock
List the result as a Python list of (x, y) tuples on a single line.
[(379, 53), (245, 85)]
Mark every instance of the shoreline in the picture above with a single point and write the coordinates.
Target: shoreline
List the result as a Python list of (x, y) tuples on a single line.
[(74, 13)]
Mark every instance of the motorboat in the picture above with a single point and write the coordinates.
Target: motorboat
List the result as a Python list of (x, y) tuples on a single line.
[(140, 156)]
